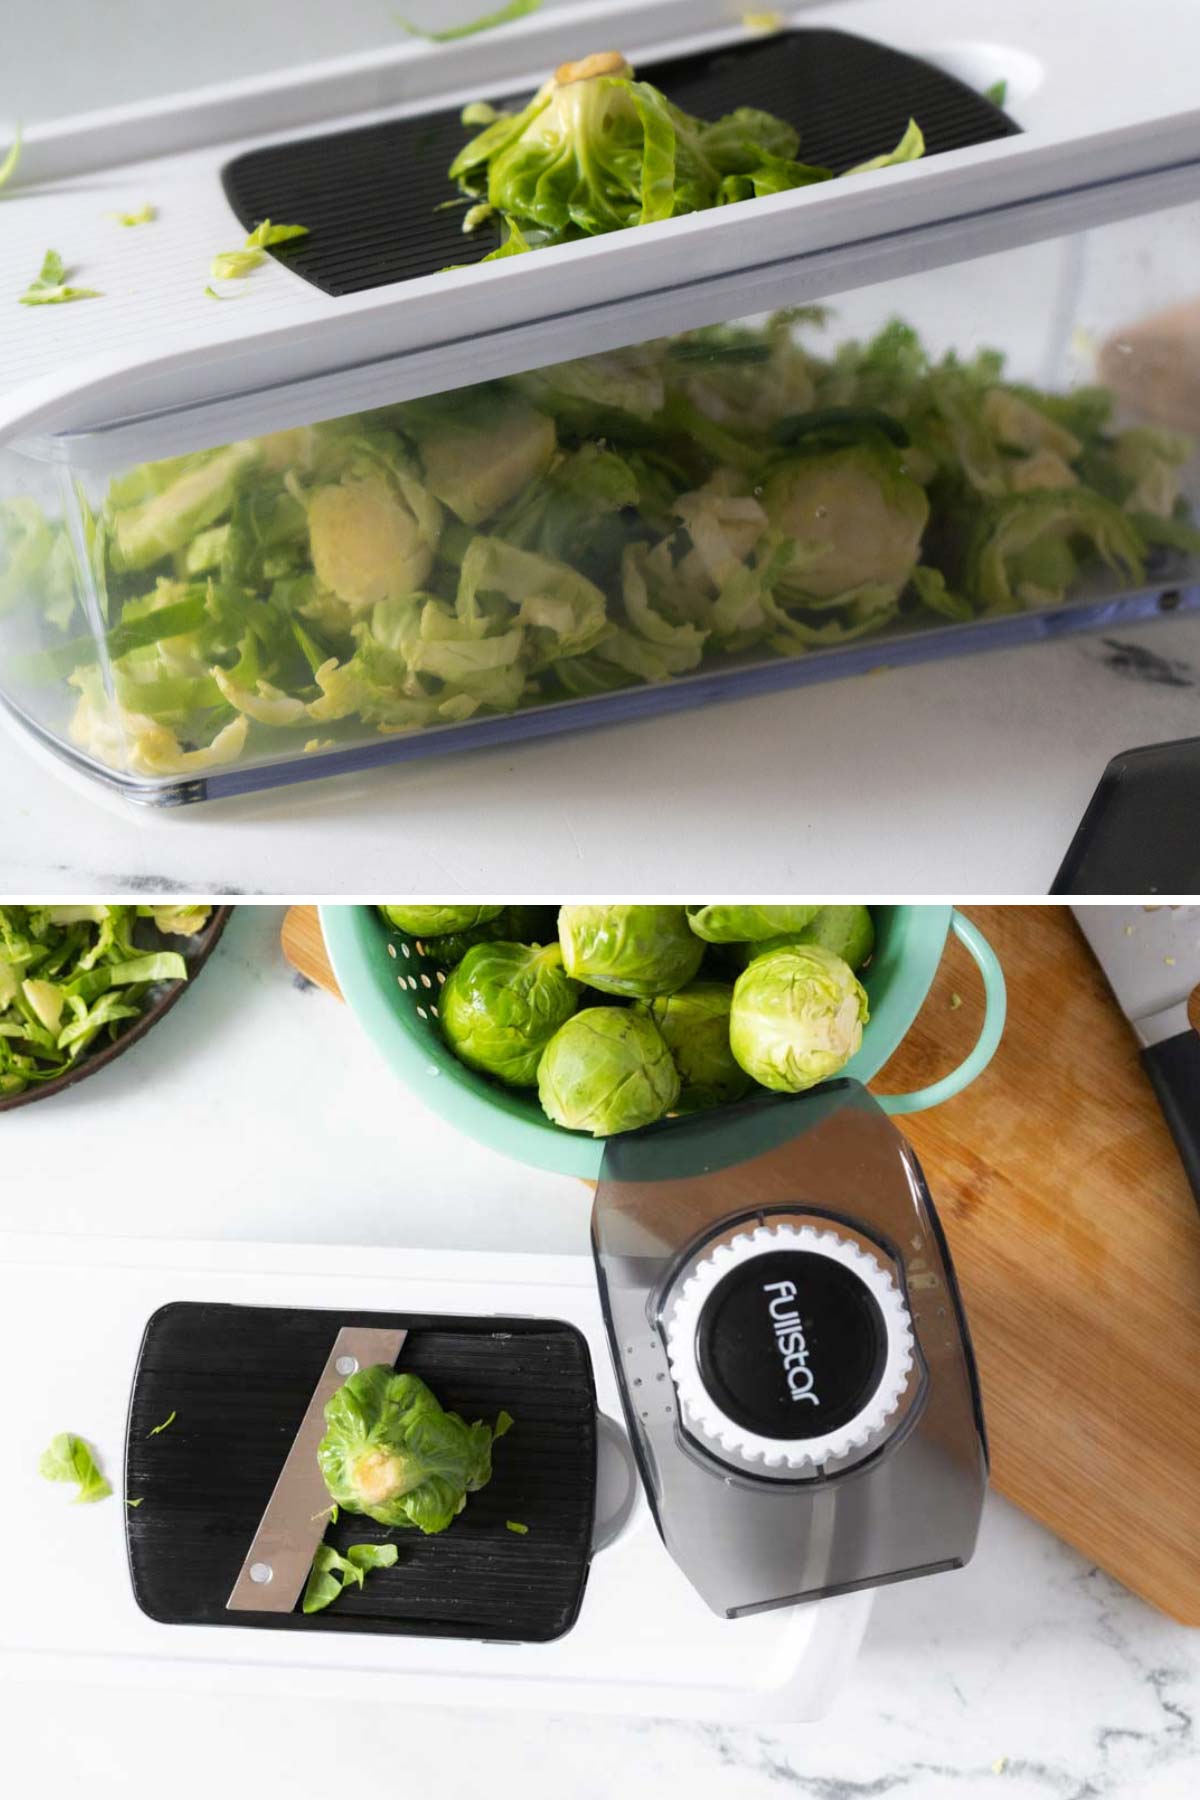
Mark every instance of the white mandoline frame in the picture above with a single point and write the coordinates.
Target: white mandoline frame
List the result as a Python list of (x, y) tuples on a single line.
[(1111, 126), (644, 1643)]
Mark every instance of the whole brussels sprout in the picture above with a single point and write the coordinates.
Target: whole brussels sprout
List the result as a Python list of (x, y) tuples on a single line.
[(695, 1026), (738, 924), (501, 1006), (797, 1017), (438, 921), (856, 516), (635, 950), (607, 1069), (512, 925), (849, 931)]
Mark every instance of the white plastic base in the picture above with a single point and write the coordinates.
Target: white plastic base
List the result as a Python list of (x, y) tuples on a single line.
[(645, 1643)]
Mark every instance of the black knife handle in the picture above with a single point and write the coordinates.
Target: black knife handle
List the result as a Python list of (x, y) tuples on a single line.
[(1174, 1068)]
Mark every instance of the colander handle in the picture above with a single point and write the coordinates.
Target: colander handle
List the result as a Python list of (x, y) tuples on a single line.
[(990, 1032)]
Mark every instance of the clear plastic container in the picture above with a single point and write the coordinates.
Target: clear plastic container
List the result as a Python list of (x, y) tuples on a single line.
[(996, 450)]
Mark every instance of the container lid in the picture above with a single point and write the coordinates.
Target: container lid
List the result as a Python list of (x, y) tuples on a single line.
[(1099, 137)]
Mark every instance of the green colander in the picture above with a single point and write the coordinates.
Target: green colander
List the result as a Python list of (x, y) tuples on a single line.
[(393, 990)]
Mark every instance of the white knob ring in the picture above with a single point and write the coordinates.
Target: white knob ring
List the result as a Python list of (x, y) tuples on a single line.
[(698, 1405)]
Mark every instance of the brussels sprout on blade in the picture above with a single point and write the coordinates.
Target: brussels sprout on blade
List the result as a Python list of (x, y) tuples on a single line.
[(742, 924), (438, 921), (392, 1452), (606, 1070), (797, 1017), (695, 1027), (636, 950), (502, 1005)]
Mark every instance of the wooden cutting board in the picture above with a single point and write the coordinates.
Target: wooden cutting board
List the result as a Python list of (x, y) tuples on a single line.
[(1077, 1244)]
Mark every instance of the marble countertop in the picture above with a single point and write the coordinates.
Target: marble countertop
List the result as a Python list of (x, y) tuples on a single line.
[(967, 777), (1029, 1675)]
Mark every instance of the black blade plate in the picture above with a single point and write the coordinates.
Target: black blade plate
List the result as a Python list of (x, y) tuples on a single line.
[(370, 196), (239, 1378)]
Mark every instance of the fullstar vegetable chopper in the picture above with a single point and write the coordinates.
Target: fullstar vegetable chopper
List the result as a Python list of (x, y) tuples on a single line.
[(794, 1372), (140, 643)]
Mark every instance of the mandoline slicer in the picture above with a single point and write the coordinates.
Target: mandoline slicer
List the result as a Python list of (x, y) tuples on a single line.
[(365, 310), (793, 1367)]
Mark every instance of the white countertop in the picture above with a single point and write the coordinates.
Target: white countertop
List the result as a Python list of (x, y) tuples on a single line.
[(258, 1110), (964, 777)]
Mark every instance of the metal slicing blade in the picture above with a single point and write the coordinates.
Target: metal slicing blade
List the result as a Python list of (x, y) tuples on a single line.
[(277, 1562)]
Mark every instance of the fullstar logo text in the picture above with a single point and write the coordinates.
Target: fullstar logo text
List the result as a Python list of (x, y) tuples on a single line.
[(790, 1341)]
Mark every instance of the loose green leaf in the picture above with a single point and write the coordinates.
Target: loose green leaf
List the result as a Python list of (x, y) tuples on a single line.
[(235, 265), (213, 295), (516, 9), (331, 1573), (170, 1418), (144, 216), (372, 1556), (481, 112), (50, 287), (910, 148), (997, 93), (70, 1458), (323, 1585), (515, 1525), (266, 233), (134, 1503), (8, 166)]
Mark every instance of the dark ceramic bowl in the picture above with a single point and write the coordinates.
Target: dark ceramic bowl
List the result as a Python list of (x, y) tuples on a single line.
[(195, 952)]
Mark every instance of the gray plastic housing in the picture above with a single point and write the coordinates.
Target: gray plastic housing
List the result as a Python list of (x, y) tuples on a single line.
[(750, 1538)]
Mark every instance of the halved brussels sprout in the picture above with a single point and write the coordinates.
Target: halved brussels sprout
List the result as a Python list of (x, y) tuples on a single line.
[(695, 1027), (743, 924), (797, 1017), (501, 1006), (391, 1451), (372, 536), (636, 950), (438, 921), (608, 1069), (855, 517)]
